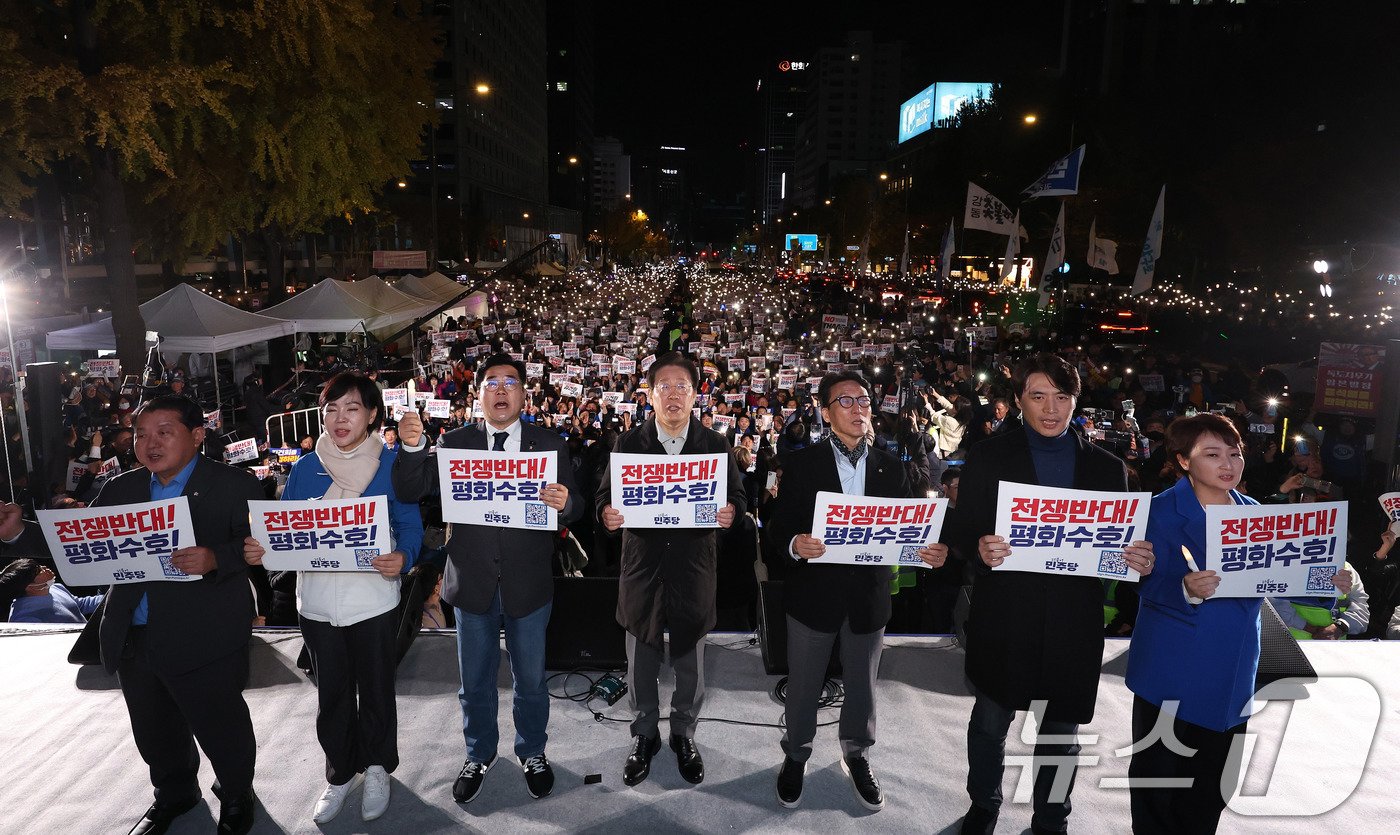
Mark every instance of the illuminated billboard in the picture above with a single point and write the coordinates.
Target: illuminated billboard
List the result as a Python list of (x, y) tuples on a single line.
[(951, 96), (805, 243), (916, 114)]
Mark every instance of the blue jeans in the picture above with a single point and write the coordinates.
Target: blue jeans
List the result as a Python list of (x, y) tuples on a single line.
[(479, 659)]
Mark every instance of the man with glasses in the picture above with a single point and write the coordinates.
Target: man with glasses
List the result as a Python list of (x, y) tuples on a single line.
[(825, 601), (497, 577), (668, 576)]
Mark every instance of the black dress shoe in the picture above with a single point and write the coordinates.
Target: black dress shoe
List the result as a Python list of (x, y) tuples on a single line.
[(158, 818), (639, 761), (863, 780), (236, 816), (978, 821), (688, 759)]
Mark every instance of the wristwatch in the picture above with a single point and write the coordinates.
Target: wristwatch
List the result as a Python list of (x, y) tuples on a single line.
[(1341, 626)]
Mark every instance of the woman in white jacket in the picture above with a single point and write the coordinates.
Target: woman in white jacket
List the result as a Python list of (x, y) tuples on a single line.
[(349, 619), (952, 422)]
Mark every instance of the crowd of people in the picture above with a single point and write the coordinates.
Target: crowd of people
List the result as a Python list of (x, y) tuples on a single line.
[(856, 389)]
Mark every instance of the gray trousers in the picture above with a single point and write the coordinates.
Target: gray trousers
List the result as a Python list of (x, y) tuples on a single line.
[(643, 671), (808, 654)]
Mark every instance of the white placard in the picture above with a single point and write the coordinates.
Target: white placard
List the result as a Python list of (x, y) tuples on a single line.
[(869, 530), (1070, 532), (109, 368), (669, 491), (497, 489), (1274, 550), (321, 534), (240, 451), (395, 397), (132, 543), (437, 408)]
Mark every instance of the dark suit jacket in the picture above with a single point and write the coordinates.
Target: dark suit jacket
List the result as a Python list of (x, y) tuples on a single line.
[(1031, 636), (189, 624), (668, 575), (482, 558), (822, 595)]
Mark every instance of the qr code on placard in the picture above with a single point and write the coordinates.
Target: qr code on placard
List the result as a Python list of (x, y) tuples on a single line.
[(536, 515), (705, 514), (1113, 564), (168, 567), (909, 555), (365, 556), (1320, 578)]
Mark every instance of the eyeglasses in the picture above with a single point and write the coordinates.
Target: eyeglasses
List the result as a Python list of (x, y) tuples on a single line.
[(848, 401), (509, 384), (665, 389)]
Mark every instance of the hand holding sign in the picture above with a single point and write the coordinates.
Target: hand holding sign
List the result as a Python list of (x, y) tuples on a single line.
[(195, 561), (807, 547), (935, 554), (612, 518), (556, 496), (389, 565), (253, 551), (993, 550)]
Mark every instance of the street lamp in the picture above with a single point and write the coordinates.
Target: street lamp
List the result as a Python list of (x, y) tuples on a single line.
[(483, 88), (1030, 119)]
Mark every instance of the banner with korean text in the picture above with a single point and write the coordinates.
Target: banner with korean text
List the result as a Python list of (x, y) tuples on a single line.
[(131, 543), (868, 530), (1390, 503), (1275, 550), (1078, 533), (669, 491), (497, 489), (322, 534)]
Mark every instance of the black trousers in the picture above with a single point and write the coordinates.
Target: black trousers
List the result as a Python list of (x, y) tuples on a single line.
[(1184, 809), (357, 720), (170, 712)]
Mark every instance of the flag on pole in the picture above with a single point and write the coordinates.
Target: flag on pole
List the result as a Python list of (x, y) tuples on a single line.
[(1151, 249), (904, 259), (1061, 178), (1054, 259), (1013, 249), (945, 255), (985, 212), (1103, 253)]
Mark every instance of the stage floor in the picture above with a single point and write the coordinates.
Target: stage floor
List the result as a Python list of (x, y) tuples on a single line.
[(68, 764)]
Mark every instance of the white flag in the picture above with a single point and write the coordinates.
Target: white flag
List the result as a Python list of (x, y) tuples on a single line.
[(1013, 249), (945, 257), (1103, 253), (985, 212), (1054, 259), (1151, 249)]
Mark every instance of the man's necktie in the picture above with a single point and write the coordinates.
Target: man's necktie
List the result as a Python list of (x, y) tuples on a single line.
[(500, 445)]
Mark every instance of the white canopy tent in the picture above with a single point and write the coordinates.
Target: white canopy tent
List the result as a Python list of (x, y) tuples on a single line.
[(396, 307), (188, 321), (443, 289), (327, 306)]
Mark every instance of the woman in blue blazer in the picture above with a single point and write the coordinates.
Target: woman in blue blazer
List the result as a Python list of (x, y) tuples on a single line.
[(1190, 652)]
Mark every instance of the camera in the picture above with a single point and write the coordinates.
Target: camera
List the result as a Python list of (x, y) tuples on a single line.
[(1317, 485)]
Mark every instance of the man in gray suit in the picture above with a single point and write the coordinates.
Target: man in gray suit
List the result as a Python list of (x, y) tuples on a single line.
[(497, 576)]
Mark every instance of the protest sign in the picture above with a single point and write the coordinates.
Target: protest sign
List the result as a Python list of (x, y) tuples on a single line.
[(321, 534), (395, 397), (1071, 532), (868, 530), (669, 491), (109, 368), (437, 408), (240, 451), (1275, 550), (286, 455), (497, 489), (1390, 503), (132, 543)]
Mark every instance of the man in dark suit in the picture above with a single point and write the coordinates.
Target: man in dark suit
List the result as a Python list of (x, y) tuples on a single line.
[(827, 601), (668, 576), (1031, 636), (180, 650), (497, 576)]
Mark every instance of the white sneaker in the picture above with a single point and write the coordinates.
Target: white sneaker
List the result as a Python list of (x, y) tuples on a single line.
[(376, 800), (332, 799)]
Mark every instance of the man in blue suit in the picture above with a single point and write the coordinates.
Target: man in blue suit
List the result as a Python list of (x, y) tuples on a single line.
[(497, 576)]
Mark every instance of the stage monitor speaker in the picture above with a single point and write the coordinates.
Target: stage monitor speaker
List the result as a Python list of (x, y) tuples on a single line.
[(772, 633), (43, 396), (1280, 657), (583, 631)]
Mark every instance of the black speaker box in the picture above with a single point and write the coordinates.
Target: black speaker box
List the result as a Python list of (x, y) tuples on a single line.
[(44, 398), (772, 633), (583, 630)]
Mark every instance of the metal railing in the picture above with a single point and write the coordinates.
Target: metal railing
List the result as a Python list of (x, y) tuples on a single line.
[(308, 418)]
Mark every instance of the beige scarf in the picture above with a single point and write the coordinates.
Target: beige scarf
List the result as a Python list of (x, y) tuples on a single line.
[(350, 471)]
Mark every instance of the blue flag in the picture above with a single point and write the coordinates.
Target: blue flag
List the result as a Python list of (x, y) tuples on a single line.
[(1061, 178)]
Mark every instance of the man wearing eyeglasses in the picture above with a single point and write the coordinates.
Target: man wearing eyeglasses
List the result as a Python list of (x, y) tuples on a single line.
[(827, 600), (668, 576), (497, 577)]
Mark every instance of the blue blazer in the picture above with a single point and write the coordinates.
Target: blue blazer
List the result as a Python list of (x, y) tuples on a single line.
[(1205, 657), (309, 480)]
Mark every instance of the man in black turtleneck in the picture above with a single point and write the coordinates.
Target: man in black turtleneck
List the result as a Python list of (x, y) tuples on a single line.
[(1031, 637)]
